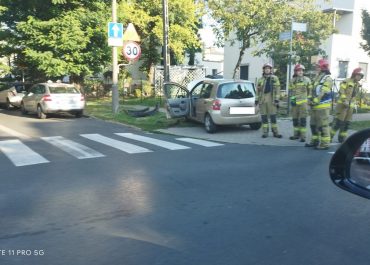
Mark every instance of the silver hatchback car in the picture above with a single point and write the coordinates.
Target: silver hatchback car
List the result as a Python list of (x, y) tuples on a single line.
[(214, 102), (50, 97)]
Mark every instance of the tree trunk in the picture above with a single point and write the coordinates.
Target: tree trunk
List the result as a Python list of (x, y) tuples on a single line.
[(241, 54)]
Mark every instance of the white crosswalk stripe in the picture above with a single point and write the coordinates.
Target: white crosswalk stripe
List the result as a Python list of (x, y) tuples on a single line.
[(20, 154), (153, 141), (199, 142), (75, 149), (123, 146)]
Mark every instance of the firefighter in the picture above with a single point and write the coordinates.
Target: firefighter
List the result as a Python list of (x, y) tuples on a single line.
[(348, 91), (320, 102), (300, 88), (268, 95)]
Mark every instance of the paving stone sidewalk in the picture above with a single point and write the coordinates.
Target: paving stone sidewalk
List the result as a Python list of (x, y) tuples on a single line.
[(244, 135)]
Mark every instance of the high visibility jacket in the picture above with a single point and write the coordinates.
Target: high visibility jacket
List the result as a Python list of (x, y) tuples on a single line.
[(348, 91), (300, 88), (268, 81), (321, 92)]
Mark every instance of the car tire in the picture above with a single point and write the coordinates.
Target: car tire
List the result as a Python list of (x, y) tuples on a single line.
[(209, 125), (78, 114), (40, 113), (255, 126), (23, 110)]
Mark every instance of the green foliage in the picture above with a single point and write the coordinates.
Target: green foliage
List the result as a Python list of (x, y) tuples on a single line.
[(146, 15), (250, 23), (366, 31), (4, 69), (144, 90), (57, 37)]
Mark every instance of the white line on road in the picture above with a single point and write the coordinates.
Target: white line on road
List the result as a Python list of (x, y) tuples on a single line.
[(149, 140), (123, 146), (75, 149), (20, 154), (13, 132), (332, 153), (199, 142)]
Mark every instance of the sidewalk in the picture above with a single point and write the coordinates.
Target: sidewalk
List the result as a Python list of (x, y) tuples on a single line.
[(244, 135)]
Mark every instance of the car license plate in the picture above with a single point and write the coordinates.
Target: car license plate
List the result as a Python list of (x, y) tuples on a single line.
[(242, 110)]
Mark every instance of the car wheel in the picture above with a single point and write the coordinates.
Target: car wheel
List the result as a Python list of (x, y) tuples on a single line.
[(79, 114), (40, 113), (255, 126), (23, 110), (8, 106), (209, 125)]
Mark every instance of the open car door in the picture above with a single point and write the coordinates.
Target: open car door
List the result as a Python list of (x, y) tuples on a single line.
[(177, 99)]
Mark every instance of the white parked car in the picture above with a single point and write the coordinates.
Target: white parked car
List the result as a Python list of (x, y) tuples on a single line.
[(50, 97), (11, 94)]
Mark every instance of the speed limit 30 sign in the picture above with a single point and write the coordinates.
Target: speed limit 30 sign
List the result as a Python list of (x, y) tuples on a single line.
[(131, 50)]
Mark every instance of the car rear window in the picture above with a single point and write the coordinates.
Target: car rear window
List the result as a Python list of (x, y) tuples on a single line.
[(63, 90), (236, 90)]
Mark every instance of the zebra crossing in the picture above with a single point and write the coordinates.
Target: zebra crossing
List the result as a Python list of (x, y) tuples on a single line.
[(20, 154)]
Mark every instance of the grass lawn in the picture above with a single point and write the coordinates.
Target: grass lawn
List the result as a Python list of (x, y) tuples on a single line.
[(102, 109)]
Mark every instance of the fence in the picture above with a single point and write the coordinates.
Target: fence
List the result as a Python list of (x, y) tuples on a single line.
[(179, 74)]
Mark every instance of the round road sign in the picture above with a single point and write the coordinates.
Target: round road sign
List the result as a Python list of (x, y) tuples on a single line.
[(131, 50)]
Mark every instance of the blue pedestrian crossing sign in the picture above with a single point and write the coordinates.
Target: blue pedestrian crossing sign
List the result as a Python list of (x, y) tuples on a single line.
[(115, 34)]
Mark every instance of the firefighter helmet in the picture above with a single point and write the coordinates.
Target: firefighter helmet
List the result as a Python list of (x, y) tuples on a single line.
[(267, 65), (323, 64), (358, 71), (298, 67)]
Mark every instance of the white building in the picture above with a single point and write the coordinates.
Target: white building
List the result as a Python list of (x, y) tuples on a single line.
[(343, 48), (211, 57)]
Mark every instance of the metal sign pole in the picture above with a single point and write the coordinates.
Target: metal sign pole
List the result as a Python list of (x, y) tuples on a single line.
[(165, 41), (115, 99)]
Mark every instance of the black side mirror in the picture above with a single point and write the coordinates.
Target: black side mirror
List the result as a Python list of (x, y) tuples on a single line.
[(350, 165)]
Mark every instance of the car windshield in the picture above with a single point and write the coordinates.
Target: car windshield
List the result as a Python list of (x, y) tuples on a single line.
[(63, 90), (236, 90)]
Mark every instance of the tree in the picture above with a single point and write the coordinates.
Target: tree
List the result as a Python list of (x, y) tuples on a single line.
[(58, 37), (146, 15), (366, 31), (259, 22)]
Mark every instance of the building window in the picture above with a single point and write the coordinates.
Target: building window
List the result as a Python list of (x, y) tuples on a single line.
[(244, 72), (364, 66), (343, 69)]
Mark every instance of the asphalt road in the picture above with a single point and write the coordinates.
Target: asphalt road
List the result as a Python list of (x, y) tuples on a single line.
[(229, 204)]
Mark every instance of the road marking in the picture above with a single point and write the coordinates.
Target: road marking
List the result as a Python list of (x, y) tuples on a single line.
[(199, 142), (75, 149), (20, 154), (123, 146), (13, 132), (332, 153), (149, 140)]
